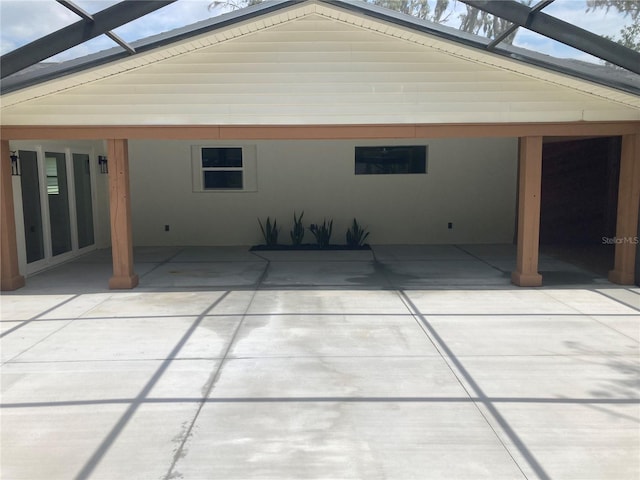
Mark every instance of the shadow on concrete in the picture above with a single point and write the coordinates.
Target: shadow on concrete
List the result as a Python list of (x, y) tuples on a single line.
[(384, 267)]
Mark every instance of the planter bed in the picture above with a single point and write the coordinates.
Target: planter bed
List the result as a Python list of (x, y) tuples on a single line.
[(306, 247)]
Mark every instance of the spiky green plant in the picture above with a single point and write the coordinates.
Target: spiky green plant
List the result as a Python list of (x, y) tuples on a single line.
[(356, 235), (297, 233), (269, 231), (322, 232)]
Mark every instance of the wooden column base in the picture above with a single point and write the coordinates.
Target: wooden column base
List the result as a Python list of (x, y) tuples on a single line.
[(123, 282), (526, 279), (622, 278), (12, 283)]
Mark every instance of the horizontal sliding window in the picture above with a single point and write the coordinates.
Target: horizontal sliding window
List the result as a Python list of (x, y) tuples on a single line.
[(391, 160)]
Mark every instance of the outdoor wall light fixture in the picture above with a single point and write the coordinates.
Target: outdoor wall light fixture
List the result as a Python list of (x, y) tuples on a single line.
[(15, 164), (102, 162)]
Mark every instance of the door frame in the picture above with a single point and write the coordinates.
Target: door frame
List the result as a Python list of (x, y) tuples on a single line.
[(49, 260)]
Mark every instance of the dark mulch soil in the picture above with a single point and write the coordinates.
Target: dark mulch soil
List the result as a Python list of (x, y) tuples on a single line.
[(306, 246)]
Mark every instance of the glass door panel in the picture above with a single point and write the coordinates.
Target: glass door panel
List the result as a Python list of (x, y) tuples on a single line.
[(31, 206), (58, 195), (84, 207)]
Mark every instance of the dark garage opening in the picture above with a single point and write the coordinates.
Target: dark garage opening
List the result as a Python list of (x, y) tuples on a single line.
[(579, 200)]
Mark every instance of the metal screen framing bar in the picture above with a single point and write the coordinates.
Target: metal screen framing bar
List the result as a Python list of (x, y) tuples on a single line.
[(561, 31), (77, 33)]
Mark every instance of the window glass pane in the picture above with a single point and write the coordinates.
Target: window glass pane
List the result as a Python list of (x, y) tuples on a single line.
[(222, 157), (51, 167), (57, 188), (31, 209), (223, 179), (391, 160)]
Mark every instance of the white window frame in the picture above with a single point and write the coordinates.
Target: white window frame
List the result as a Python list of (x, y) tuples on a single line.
[(248, 169)]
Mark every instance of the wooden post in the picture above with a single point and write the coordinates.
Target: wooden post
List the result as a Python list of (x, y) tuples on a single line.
[(120, 212), (529, 186), (10, 278), (628, 203)]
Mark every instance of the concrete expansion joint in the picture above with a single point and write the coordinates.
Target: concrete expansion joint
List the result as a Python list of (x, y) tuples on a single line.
[(35, 319), (163, 263), (485, 407), (180, 451), (480, 259)]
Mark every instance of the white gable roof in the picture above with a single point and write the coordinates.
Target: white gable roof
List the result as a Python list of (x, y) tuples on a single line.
[(314, 63)]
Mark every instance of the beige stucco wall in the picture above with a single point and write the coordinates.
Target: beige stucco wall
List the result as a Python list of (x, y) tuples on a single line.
[(470, 182)]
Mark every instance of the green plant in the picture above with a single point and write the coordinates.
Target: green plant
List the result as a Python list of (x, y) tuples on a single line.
[(297, 233), (322, 232), (269, 231), (356, 235)]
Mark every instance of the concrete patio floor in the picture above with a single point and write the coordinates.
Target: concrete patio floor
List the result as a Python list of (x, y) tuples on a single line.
[(406, 362)]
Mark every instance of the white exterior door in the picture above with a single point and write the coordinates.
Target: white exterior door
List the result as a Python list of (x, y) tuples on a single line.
[(58, 204)]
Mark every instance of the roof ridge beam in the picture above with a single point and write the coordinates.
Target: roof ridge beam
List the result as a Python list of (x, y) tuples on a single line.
[(561, 31), (77, 33)]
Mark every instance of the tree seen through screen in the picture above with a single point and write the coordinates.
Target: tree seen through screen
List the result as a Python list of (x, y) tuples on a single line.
[(476, 21)]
